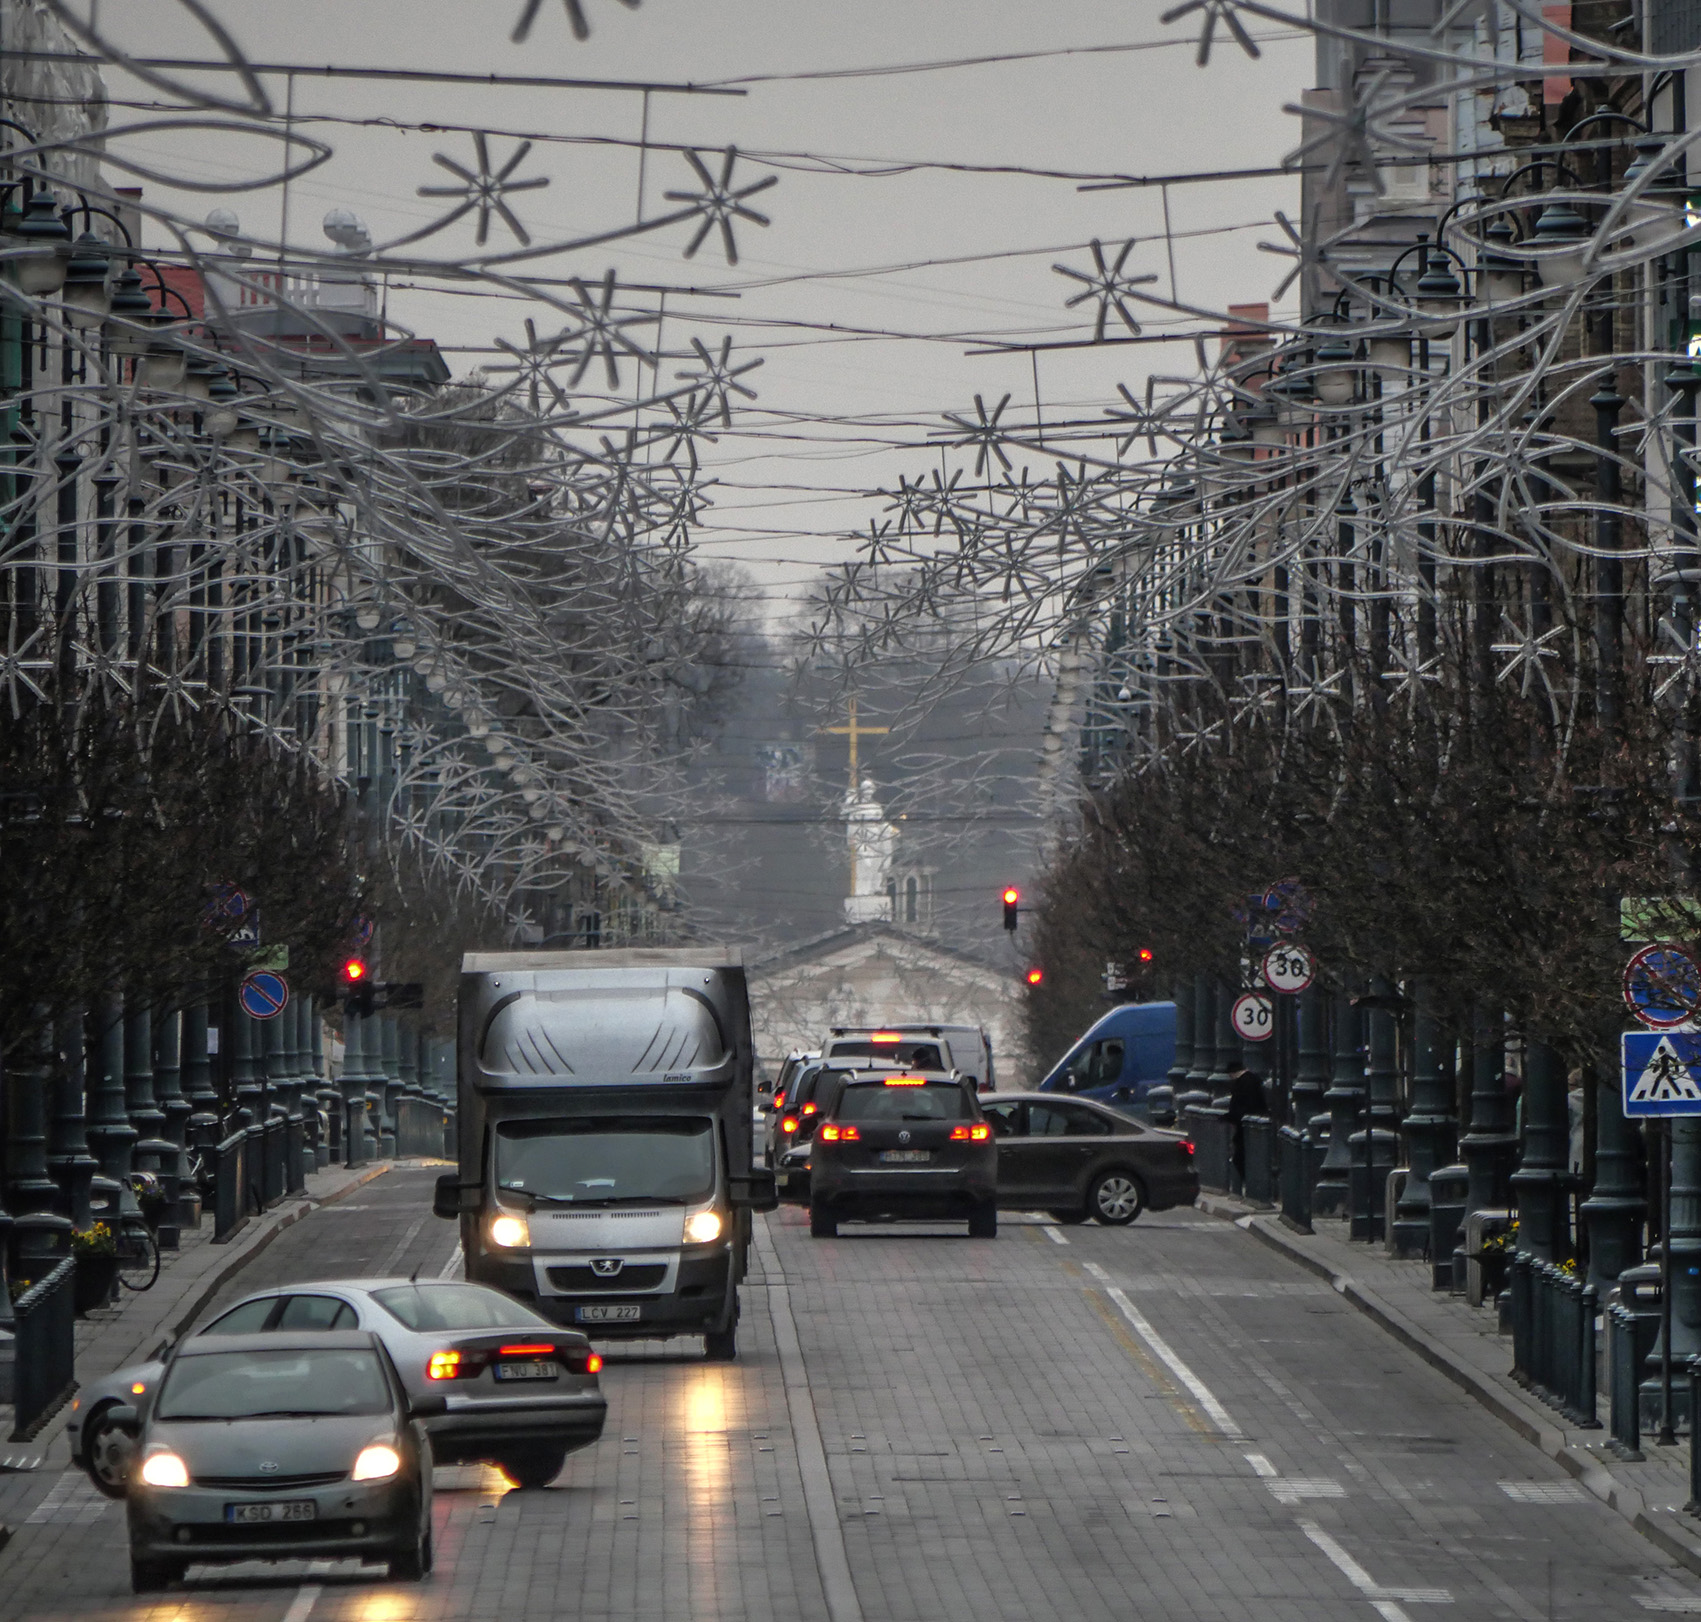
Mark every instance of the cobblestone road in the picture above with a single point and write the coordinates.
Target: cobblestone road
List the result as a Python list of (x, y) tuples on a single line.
[(1168, 1423)]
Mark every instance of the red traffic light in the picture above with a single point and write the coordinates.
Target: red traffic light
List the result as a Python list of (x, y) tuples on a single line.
[(1145, 954), (354, 970), (1012, 896), (1035, 976)]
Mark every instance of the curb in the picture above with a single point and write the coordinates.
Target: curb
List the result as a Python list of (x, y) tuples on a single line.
[(1600, 1482)]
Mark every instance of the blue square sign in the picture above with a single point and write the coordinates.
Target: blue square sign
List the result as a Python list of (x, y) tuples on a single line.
[(1662, 1072)]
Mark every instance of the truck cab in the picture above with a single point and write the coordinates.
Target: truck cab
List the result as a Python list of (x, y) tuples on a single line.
[(605, 1172), (1120, 1058)]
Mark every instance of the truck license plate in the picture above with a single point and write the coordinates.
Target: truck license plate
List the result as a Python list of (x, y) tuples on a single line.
[(905, 1157), (607, 1315), (528, 1371), (295, 1509)]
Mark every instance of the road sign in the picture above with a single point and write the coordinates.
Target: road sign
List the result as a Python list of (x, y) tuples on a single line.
[(264, 994), (1658, 917), (361, 934), (1254, 1017), (228, 907), (1289, 968), (1662, 986), (1662, 1072)]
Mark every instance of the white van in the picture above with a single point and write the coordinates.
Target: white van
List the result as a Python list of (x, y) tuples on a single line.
[(964, 1048)]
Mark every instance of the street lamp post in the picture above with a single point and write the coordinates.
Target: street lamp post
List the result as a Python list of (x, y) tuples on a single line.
[(68, 1159), (1345, 1090), (1429, 1126)]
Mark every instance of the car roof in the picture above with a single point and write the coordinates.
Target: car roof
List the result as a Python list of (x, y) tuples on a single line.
[(286, 1340), (860, 1078)]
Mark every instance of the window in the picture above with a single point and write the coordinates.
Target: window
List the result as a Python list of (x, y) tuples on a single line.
[(1004, 1119), (873, 1101), (912, 892), (316, 1312), (607, 1160), (1047, 1121), (1083, 1123), (1108, 1066), (248, 1319), (430, 1307), (247, 1385)]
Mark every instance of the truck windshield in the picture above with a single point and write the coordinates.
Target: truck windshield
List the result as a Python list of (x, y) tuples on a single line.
[(606, 1160)]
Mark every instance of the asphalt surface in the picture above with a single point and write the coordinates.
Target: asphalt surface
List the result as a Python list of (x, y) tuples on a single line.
[(1164, 1422)]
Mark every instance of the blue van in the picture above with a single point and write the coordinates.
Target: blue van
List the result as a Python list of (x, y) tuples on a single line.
[(1123, 1055)]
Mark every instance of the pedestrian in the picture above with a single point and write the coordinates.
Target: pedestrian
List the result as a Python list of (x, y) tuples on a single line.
[(1246, 1097)]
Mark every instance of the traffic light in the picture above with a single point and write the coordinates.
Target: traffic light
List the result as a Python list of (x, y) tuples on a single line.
[(1036, 976), (357, 988), (1145, 954), (1012, 900), (354, 971)]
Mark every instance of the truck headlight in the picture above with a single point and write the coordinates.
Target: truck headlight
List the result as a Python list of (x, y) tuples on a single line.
[(703, 1227), (510, 1232)]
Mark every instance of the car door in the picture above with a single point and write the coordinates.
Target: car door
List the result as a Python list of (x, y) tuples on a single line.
[(1065, 1137), (1009, 1128)]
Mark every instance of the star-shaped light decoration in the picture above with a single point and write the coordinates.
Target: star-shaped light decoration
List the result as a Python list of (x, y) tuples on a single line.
[(18, 671), (1264, 693), (1409, 674), (486, 190), (720, 203), (1320, 693), (1108, 285), (1524, 656), (1355, 137), (984, 433), (718, 378), (1216, 11), (1142, 421), (602, 332), (575, 18), (533, 368), (1683, 663), (686, 428)]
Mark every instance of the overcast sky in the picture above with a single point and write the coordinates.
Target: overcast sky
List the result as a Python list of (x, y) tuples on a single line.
[(850, 257)]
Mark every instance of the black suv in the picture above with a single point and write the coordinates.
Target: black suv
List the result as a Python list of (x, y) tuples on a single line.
[(909, 1145)]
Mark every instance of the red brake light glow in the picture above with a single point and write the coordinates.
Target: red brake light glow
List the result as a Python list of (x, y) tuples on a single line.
[(808, 1109), (444, 1366), (971, 1134), (887, 1036), (789, 1124), (838, 1134), (905, 1081), (528, 1351), (1187, 1144), (593, 1363)]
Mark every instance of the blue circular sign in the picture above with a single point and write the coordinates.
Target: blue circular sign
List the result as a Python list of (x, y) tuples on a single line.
[(1662, 986), (264, 994)]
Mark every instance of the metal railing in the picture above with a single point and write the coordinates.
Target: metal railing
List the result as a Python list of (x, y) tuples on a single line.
[(1258, 1159), (230, 1185), (1553, 1338), (1294, 1178), (295, 1150), (46, 1349), (1630, 1342), (419, 1129), (1209, 1129)]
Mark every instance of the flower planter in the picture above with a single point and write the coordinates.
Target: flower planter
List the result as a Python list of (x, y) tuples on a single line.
[(97, 1277)]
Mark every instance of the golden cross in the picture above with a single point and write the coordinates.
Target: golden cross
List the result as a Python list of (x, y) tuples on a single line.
[(853, 732)]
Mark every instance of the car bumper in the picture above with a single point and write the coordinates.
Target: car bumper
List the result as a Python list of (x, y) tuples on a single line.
[(474, 1428), (906, 1191), (698, 1303), (192, 1524)]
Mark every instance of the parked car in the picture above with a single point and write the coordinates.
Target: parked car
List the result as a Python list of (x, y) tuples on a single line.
[(279, 1447), (520, 1392), (1120, 1058), (1077, 1158)]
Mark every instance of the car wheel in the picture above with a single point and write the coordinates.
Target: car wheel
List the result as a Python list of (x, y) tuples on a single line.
[(533, 1467), (107, 1452), (822, 1223), (983, 1220), (150, 1576), (1068, 1218), (1116, 1198)]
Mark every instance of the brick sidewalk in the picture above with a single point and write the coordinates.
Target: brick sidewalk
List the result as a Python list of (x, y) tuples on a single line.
[(1463, 1343), (107, 1339)]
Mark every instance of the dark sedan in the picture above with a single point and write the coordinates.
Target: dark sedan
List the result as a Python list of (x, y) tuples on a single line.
[(1077, 1159), (279, 1447)]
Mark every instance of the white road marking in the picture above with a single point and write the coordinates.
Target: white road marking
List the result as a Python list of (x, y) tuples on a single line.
[(401, 1247), (1261, 1466), (1543, 1492), (452, 1266), (1295, 1489), (1200, 1392), (1055, 1235), (73, 1500), (301, 1607), (1384, 1599), (1685, 1607)]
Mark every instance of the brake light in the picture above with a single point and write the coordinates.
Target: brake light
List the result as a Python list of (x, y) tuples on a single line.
[(1187, 1144), (887, 1036), (808, 1109), (593, 1363), (789, 1124), (970, 1134), (840, 1134), (527, 1351), (905, 1081), (444, 1366)]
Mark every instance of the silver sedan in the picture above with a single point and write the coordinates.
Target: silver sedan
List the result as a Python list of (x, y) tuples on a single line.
[(520, 1391)]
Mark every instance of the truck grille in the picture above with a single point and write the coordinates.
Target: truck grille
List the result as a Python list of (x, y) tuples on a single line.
[(580, 1280)]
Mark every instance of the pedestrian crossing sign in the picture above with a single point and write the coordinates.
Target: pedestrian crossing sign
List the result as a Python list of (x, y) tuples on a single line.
[(1662, 1072)]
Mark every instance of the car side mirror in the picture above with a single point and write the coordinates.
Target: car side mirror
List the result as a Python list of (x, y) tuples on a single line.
[(755, 1191), (124, 1417), (428, 1407), (446, 1197)]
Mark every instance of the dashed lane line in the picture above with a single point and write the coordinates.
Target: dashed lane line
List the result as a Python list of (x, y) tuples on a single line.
[(832, 1561), (452, 1267), (301, 1607), (1166, 1354), (393, 1260), (1055, 1235), (1384, 1599)]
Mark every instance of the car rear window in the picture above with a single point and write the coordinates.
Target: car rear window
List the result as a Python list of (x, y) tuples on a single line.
[(249, 1385), (875, 1101), (919, 1054), (430, 1307)]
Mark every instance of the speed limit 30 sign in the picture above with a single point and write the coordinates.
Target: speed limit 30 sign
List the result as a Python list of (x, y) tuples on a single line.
[(1289, 968), (1254, 1017)]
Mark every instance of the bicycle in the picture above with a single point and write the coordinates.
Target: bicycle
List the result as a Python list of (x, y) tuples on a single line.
[(138, 1247)]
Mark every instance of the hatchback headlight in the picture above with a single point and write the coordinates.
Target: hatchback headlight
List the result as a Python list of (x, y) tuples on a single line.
[(165, 1470), (703, 1227), (510, 1232), (377, 1463)]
